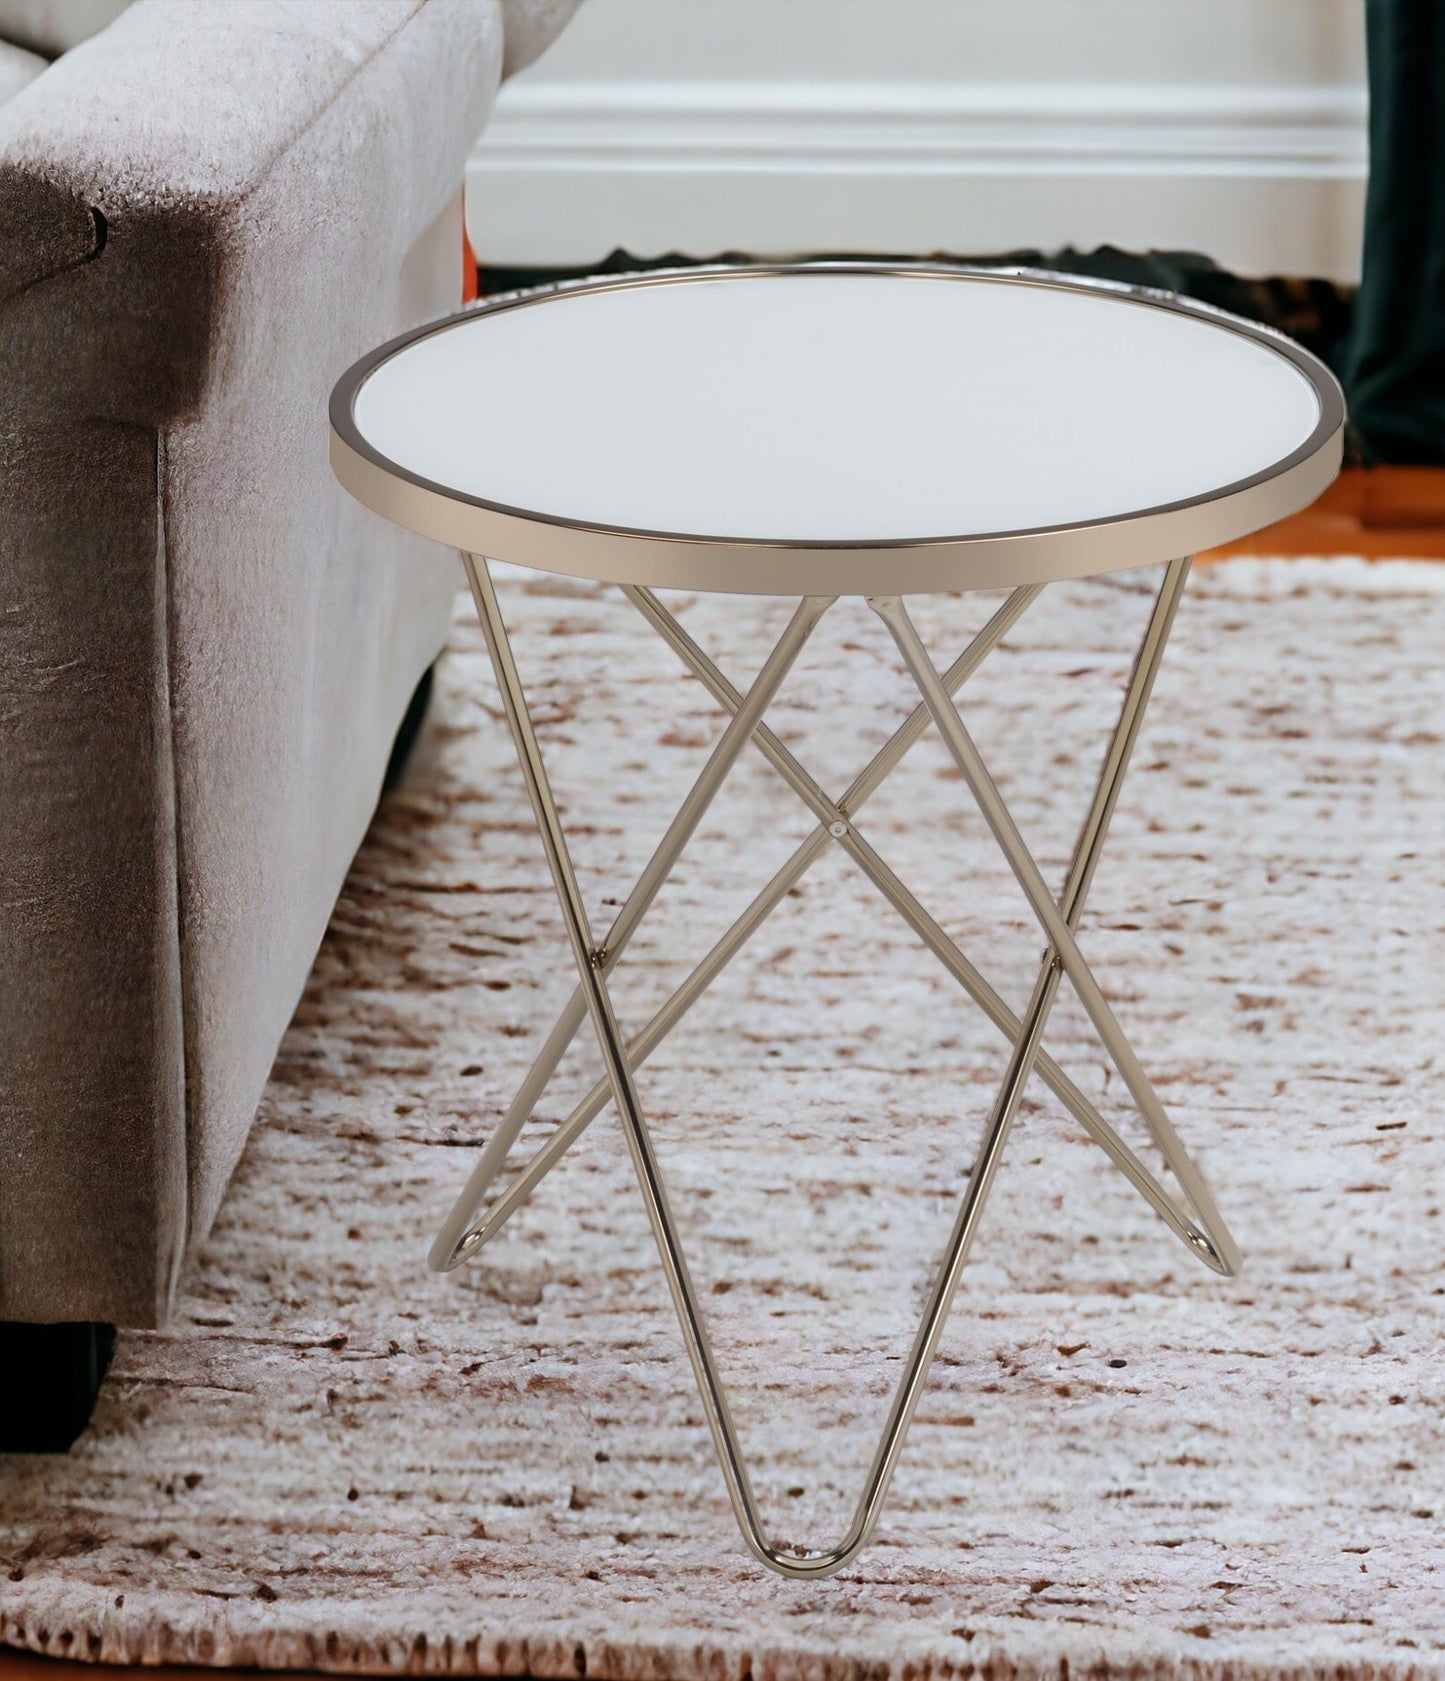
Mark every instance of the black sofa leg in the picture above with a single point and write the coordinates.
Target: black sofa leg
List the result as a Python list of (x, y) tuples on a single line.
[(49, 1379), (408, 730)]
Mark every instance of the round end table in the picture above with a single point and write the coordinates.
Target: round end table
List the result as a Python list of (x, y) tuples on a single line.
[(823, 430)]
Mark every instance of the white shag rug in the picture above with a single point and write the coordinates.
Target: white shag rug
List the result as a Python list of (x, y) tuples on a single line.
[(1123, 1465)]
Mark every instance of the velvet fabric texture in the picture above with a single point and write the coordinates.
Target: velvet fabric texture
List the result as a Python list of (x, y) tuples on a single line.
[(1394, 363), (205, 646)]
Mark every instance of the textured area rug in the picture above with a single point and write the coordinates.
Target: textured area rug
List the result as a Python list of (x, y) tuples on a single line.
[(1123, 1465)]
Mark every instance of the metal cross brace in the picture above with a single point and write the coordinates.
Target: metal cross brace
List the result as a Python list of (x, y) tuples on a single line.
[(463, 1235)]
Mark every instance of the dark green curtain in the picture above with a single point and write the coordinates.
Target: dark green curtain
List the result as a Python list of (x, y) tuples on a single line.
[(1393, 366)]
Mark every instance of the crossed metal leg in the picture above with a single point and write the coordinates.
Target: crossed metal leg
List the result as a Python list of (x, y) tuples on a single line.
[(1200, 1226)]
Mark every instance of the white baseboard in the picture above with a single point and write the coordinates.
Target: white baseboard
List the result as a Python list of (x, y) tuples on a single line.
[(1265, 179)]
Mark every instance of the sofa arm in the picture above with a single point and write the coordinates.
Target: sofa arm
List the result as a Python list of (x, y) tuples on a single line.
[(205, 212), (147, 143)]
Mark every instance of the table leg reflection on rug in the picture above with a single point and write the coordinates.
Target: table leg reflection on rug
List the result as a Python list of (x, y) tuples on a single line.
[(1201, 1227)]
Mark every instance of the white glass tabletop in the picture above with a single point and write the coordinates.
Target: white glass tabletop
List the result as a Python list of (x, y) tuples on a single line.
[(836, 429)]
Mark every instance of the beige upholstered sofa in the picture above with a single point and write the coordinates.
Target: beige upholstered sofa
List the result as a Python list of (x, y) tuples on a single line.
[(207, 210)]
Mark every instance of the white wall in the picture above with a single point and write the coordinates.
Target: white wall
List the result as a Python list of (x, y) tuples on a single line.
[(1234, 127)]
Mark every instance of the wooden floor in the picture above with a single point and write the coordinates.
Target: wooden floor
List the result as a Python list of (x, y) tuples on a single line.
[(1378, 512), (20, 1666)]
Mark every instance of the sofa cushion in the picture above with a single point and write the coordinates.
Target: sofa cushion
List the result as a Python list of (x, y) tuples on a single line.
[(529, 27), (53, 27), (17, 68)]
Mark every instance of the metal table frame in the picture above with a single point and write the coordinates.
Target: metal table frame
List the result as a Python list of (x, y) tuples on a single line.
[(1198, 1223), (639, 561)]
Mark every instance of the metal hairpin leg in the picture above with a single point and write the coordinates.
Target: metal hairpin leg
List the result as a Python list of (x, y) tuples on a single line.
[(460, 1238), (1059, 921), (1212, 1242), (455, 1241)]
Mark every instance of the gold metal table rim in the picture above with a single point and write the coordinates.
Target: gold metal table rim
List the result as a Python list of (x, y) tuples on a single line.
[(755, 566)]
